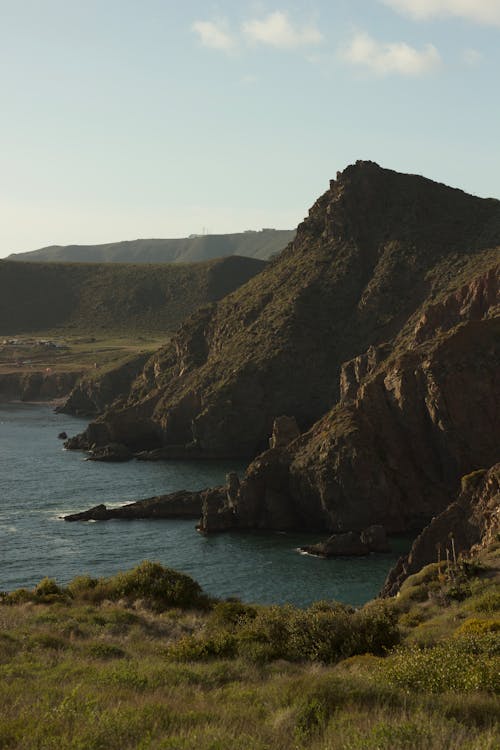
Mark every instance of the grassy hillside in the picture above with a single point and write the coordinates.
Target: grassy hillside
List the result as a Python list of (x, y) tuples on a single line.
[(113, 297), (145, 660), (261, 245)]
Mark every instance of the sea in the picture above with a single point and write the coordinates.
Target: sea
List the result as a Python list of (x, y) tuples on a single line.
[(40, 482)]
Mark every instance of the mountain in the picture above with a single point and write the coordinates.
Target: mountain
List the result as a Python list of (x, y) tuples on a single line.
[(262, 245), (377, 329), (41, 296)]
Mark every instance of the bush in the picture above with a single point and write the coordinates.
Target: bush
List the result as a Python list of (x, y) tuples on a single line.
[(464, 665), (476, 627), (488, 602), (160, 587)]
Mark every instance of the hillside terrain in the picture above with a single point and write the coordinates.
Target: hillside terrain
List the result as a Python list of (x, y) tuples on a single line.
[(262, 244), (113, 297), (145, 659), (377, 329)]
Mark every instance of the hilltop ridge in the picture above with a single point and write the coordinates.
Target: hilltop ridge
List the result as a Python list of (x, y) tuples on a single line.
[(254, 244), (90, 296)]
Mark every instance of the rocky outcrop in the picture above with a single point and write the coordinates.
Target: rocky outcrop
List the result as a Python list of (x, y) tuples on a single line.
[(472, 520), (352, 373), (377, 329), (94, 392), (113, 452), (175, 505), (285, 431), (394, 455), (375, 250), (476, 299), (351, 544), (36, 385)]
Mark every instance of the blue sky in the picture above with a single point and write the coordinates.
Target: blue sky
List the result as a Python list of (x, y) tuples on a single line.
[(150, 118)]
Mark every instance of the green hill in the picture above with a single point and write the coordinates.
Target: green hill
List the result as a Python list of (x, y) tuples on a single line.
[(261, 245), (114, 297)]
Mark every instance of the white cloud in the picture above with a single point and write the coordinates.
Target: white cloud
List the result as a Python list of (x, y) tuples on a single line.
[(215, 35), (384, 58), (276, 30), (479, 11), (472, 56)]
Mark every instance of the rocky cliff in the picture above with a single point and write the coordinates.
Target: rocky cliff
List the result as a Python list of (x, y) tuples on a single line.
[(378, 251), (471, 521), (377, 330), (36, 386)]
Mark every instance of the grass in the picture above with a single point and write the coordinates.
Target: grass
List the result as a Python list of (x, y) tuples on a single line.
[(79, 352), (100, 664)]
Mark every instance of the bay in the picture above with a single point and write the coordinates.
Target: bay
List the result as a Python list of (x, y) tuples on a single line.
[(40, 482)]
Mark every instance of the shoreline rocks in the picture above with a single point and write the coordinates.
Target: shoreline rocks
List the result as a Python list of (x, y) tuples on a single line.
[(351, 543), (183, 504)]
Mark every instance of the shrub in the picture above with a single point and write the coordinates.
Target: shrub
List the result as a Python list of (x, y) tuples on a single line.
[(488, 602), (160, 587), (476, 627), (461, 665), (106, 651)]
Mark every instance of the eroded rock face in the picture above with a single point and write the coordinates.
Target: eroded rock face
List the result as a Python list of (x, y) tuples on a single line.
[(471, 520), (285, 431), (394, 455), (36, 385), (477, 299), (94, 393), (375, 248)]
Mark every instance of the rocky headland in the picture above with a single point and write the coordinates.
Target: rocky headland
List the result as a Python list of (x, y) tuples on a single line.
[(377, 332)]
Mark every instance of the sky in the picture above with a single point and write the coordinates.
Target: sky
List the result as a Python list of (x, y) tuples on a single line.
[(122, 119)]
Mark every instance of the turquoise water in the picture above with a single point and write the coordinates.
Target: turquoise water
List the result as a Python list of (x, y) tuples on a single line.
[(39, 481)]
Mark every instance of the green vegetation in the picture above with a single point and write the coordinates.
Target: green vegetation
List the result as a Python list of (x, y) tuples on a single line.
[(261, 245), (114, 298), (144, 660)]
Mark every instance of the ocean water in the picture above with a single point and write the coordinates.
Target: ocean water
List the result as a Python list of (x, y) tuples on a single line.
[(40, 481)]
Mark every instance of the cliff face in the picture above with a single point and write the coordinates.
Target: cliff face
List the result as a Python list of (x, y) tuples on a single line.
[(36, 386), (370, 271), (472, 521), (92, 395)]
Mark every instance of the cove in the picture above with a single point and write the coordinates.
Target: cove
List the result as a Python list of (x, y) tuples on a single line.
[(39, 482)]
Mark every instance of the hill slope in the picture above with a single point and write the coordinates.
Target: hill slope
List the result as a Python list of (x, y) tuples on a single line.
[(42, 296), (261, 245), (375, 249), (379, 324)]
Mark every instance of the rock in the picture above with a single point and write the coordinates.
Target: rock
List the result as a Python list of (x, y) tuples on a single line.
[(62, 436), (351, 543), (36, 385), (174, 505), (471, 520), (92, 395), (110, 452), (363, 269), (375, 538), (339, 545), (285, 430)]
